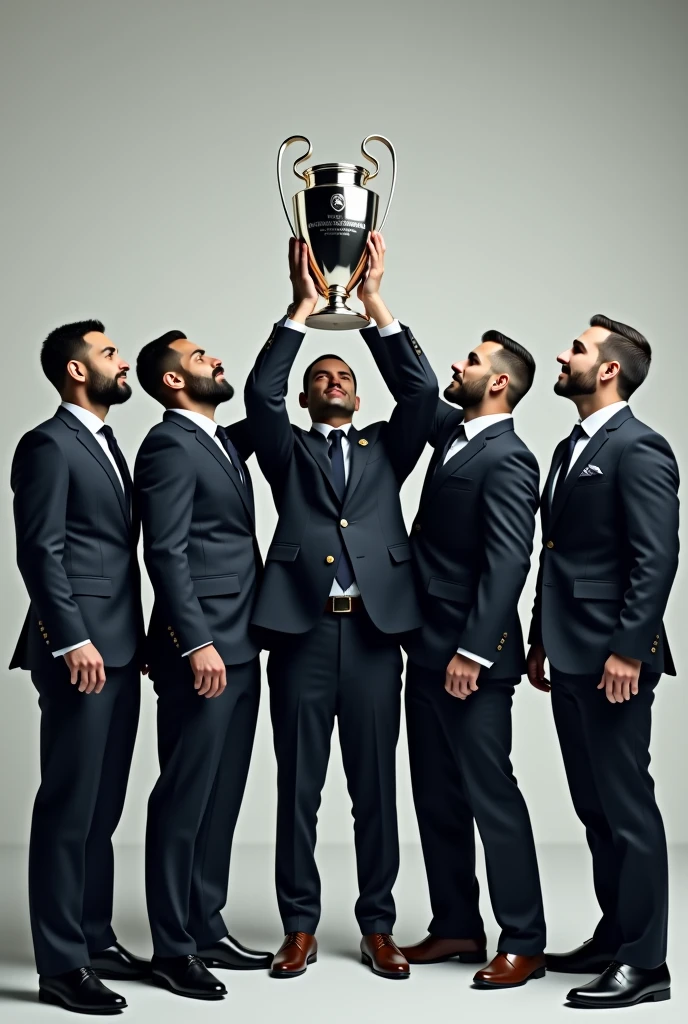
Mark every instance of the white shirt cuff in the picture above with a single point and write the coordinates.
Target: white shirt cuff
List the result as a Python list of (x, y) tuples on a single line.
[(200, 646), (476, 657), (393, 328), (294, 325), (66, 650)]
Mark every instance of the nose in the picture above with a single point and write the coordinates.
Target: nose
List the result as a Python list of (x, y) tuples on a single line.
[(564, 357), (215, 362), (459, 367), (123, 365)]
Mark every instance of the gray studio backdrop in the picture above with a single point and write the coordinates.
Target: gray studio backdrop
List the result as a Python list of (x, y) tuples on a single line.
[(542, 178)]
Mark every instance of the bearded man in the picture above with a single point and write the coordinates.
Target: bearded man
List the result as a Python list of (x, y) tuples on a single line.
[(82, 641), (194, 491), (471, 541)]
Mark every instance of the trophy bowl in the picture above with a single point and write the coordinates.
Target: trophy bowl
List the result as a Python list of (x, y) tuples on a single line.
[(335, 214)]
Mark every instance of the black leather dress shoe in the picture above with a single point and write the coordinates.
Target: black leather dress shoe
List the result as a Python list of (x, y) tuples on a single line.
[(585, 959), (80, 991), (229, 954), (186, 976), (118, 964), (621, 985)]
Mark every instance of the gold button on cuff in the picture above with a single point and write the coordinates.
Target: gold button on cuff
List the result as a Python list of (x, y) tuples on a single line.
[(654, 650), (330, 559), (499, 647), (505, 635), (40, 623), (549, 544)]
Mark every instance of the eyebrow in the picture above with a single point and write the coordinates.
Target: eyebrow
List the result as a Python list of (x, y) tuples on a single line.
[(108, 348), (577, 341), (197, 352), (474, 355)]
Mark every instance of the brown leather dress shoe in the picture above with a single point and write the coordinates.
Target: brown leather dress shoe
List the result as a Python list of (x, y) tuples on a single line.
[(298, 950), (508, 970), (433, 950), (383, 956)]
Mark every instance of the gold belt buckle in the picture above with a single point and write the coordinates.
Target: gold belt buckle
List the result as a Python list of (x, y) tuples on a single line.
[(344, 607)]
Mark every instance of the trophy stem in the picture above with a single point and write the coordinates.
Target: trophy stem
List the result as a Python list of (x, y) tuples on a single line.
[(336, 315)]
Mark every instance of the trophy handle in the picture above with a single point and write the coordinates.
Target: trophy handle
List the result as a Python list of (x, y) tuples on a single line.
[(299, 174), (367, 155)]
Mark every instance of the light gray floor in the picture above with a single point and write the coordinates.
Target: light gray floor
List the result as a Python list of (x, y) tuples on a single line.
[(338, 988)]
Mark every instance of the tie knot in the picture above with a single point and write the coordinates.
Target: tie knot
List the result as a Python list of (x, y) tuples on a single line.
[(107, 432), (221, 433), (336, 436), (577, 433)]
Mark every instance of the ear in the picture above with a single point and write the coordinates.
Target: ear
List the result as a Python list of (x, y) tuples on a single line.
[(500, 382), (303, 400), (173, 380), (357, 404), (609, 371), (76, 371)]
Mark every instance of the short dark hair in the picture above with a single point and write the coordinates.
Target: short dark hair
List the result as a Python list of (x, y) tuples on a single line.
[(154, 360), (329, 355), (64, 344), (515, 360), (629, 348)]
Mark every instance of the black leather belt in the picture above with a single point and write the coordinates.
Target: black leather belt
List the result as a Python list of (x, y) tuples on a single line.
[(343, 605)]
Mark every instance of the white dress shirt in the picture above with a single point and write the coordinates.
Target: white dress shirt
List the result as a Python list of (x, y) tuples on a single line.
[(591, 424), (325, 429), (473, 427), (94, 424)]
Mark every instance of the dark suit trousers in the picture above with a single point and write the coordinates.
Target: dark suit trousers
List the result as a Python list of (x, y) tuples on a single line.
[(607, 757), (87, 741), (343, 668), (461, 773), (204, 748)]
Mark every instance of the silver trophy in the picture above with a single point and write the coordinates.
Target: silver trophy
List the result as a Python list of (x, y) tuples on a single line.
[(335, 214)]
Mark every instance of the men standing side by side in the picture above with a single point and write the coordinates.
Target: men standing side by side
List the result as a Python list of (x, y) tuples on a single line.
[(337, 594), (610, 552), (82, 641), (472, 539), (197, 512)]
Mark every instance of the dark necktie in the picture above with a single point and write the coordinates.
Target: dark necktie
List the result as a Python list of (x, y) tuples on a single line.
[(234, 457), (576, 434), (116, 453), (457, 435), (344, 573)]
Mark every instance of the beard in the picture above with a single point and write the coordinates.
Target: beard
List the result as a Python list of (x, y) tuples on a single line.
[(322, 407), (107, 391), (577, 383), (208, 390), (469, 393)]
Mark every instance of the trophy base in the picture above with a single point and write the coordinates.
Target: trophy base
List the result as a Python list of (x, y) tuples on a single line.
[(340, 318)]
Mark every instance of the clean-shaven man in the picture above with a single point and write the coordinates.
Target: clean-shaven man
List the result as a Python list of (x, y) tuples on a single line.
[(609, 556), (82, 641), (337, 594), (472, 539), (198, 519)]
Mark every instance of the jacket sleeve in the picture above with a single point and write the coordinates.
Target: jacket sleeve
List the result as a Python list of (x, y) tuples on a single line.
[(535, 631), (241, 438), (165, 481), (40, 481), (266, 410), (648, 481), (510, 501), (414, 388)]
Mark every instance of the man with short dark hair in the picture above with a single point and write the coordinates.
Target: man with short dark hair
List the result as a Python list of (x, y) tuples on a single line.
[(609, 556), (337, 594), (82, 641), (197, 512), (471, 541)]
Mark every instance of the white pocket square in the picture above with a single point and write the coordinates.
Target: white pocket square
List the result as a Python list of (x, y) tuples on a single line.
[(591, 470)]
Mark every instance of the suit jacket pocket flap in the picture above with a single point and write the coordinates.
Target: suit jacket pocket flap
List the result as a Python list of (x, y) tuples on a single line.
[(598, 590), (282, 552), (400, 552), (216, 586), (460, 592), (91, 586), (461, 483)]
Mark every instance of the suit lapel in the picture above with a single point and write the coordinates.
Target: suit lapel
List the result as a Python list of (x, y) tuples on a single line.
[(244, 492), (358, 457), (89, 442), (317, 446), (468, 452)]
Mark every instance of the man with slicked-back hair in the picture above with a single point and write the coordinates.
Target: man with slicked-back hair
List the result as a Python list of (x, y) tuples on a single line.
[(609, 556)]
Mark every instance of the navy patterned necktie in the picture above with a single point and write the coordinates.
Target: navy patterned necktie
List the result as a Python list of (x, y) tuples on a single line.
[(234, 456), (344, 572), (116, 453), (574, 437)]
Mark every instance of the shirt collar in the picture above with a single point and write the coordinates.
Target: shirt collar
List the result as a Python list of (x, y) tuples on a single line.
[(325, 428), (591, 424), (85, 416), (210, 426), (475, 426)]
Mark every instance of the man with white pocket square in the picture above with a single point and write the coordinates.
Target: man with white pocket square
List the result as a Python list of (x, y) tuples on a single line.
[(609, 556)]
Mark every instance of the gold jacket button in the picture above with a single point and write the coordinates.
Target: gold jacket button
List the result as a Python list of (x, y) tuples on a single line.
[(499, 647), (416, 527), (654, 650), (330, 559), (343, 522), (549, 544), (362, 441)]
